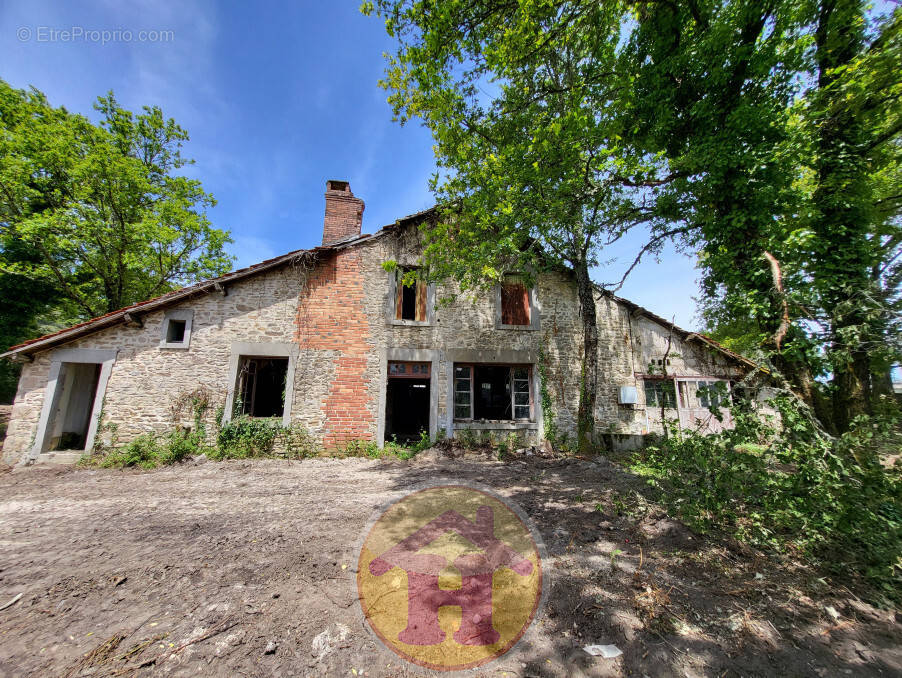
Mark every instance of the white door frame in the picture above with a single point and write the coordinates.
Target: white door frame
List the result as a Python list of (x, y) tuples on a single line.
[(103, 357)]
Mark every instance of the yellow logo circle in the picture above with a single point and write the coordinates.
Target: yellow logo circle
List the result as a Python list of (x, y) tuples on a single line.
[(450, 577)]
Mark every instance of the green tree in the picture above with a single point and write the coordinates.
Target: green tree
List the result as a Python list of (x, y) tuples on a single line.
[(855, 133), (100, 213)]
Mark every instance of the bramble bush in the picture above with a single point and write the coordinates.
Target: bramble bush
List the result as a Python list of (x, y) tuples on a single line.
[(795, 490)]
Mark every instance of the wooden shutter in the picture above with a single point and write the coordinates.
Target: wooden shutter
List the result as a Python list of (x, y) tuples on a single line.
[(514, 301), (421, 301), (399, 296)]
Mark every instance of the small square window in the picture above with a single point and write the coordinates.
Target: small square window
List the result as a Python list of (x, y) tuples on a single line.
[(176, 328)]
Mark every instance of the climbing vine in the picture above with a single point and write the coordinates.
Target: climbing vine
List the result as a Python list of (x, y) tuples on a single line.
[(547, 413)]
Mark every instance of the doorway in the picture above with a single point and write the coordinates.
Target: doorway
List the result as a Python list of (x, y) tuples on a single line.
[(71, 418), (407, 400)]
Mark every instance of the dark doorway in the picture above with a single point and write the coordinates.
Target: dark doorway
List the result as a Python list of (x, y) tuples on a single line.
[(406, 409), (77, 384)]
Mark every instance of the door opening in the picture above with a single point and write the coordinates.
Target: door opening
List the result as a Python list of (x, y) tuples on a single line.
[(71, 419), (407, 400)]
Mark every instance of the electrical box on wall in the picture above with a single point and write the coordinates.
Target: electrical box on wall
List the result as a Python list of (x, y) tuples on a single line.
[(629, 395)]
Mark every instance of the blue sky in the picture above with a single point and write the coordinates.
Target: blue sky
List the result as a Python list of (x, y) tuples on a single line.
[(277, 98)]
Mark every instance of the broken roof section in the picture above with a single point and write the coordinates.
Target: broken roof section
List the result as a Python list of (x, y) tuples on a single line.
[(219, 285)]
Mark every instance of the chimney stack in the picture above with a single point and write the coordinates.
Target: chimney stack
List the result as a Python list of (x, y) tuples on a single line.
[(344, 212)]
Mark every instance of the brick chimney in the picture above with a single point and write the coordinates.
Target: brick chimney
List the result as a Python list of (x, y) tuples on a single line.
[(344, 212)]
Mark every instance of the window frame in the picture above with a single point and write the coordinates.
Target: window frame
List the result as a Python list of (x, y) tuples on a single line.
[(392, 300), (658, 387), (535, 321), (241, 386), (708, 384), (241, 350), (185, 315), (472, 404)]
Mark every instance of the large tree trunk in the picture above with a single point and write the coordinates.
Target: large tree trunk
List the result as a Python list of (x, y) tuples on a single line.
[(588, 383), (842, 196)]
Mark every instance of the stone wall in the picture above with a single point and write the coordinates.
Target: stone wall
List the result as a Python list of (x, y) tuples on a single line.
[(337, 313)]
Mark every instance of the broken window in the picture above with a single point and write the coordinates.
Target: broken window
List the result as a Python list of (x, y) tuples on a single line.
[(659, 393), (261, 386), (410, 300), (494, 392), (514, 301)]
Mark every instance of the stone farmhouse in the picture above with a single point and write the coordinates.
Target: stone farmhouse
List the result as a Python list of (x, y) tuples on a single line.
[(327, 339)]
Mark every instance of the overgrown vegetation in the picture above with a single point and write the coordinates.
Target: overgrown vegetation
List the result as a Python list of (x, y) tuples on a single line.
[(149, 451), (834, 501), (241, 438)]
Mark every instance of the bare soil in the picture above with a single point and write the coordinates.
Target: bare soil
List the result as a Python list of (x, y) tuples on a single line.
[(246, 568)]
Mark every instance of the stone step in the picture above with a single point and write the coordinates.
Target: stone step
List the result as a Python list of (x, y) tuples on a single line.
[(61, 457)]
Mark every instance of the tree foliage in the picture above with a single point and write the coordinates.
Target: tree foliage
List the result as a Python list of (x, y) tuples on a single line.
[(100, 212)]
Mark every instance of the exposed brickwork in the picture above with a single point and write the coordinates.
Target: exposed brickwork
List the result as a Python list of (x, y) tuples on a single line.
[(332, 317), (344, 212)]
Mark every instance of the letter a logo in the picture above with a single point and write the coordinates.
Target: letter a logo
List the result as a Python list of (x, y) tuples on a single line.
[(450, 577)]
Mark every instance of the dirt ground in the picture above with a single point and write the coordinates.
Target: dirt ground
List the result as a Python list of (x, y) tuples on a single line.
[(246, 568)]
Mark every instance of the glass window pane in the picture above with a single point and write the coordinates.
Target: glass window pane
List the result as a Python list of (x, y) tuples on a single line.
[(462, 372), (462, 398), (521, 373), (521, 411), (461, 411), (462, 385), (651, 396), (521, 399)]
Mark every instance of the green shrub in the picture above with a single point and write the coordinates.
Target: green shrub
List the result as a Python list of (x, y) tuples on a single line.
[(793, 490), (297, 443), (361, 448), (181, 444), (245, 437), (144, 451)]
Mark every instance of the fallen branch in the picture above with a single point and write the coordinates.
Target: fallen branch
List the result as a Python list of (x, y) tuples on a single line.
[(11, 602)]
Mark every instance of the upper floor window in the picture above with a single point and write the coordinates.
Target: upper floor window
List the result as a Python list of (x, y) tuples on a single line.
[(410, 304), (176, 329), (516, 304), (514, 301)]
